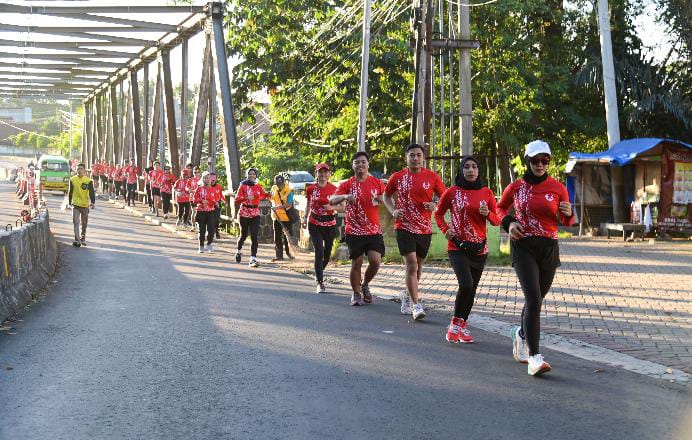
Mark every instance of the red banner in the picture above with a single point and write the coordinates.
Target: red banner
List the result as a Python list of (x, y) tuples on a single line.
[(675, 206)]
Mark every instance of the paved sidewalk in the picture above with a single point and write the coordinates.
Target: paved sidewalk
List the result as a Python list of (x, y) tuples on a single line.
[(632, 298)]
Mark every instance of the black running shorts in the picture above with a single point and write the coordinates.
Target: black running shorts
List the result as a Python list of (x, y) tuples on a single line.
[(409, 242), (361, 244)]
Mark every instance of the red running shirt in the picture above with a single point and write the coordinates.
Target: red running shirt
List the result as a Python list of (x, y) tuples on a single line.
[(131, 172), (412, 191), (204, 199), (250, 208), (218, 193), (536, 206), (319, 198), (182, 190), (154, 176), (165, 182), (362, 215), (465, 217), (119, 174)]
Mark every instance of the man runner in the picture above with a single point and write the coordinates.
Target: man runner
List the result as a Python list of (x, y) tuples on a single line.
[(80, 194), (363, 194), (415, 187)]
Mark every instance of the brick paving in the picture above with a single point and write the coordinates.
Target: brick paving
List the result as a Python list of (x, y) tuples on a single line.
[(634, 298)]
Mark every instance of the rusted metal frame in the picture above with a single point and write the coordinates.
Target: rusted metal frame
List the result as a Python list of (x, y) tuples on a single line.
[(171, 132), (201, 107), (183, 104), (112, 39), (24, 79), (155, 118), (211, 125), (65, 57), (145, 125), (78, 47), (98, 9), (100, 141)]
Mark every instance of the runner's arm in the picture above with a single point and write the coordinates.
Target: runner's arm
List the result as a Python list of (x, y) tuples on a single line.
[(92, 193)]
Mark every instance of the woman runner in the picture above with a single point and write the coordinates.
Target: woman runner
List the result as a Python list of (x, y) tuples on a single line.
[(193, 184), (166, 182), (471, 203), (204, 199), (218, 192), (538, 201), (182, 198), (320, 221), (249, 194)]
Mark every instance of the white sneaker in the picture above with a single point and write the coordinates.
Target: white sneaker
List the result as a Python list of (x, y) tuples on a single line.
[(320, 288), (418, 312), (201, 249), (210, 248), (519, 349), (406, 304), (253, 262), (537, 365)]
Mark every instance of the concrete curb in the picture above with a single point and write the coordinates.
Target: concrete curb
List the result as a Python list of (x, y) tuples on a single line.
[(27, 260)]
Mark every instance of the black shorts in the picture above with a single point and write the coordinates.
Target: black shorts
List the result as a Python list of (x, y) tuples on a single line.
[(156, 192), (360, 244), (409, 242)]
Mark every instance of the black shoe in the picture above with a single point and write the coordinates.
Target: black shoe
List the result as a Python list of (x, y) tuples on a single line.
[(76, 243), (83, 242), (237, 256)]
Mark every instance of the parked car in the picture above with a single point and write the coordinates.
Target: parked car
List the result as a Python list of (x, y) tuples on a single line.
[(299, 179), (53, 173)]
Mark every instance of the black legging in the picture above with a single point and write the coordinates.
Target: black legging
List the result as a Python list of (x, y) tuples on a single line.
[(535, 260), (131, 188), (217, 220), (184, 212), (150, 199), (280, 238), (167, 206), (322, 238), (468, 271), (249, 225), (206, 225)]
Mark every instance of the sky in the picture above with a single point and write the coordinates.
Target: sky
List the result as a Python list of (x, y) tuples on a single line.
[(651, 33)]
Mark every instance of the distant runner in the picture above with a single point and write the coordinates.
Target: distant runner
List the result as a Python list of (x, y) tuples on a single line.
[(320, 220), (248, 196)]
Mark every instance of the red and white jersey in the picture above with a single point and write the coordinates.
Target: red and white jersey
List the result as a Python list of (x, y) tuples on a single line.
[(218, 193), (182, 190), (536, 206), (413, 190), (119, 174), (465, 218), (131, 173), (250, 208), (319, 198), (192, 185), (165, 182), (362, 215), (204, 199), (154, 176)]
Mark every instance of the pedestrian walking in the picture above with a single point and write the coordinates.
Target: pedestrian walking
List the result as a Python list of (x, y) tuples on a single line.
[(415, 187), (281, 197), (470, 203), (248, 197), (166, 181), (320, 219), (362, 194), (154, 177), (204, 199), (538, 201), (81, 197), (183, 198)]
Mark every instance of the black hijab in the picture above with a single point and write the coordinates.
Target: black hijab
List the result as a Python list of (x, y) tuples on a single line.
[(531, 178), (461, 181)]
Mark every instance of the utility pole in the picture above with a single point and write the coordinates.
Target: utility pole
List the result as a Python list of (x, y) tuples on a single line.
[(611, 107), (427, 87), (465, 103), (365, 59)]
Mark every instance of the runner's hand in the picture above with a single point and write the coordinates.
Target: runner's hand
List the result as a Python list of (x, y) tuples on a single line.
[(449, 234), (516, 232), (566, 209), (397, 213), (430, 206), (92, 206), (483, 210)]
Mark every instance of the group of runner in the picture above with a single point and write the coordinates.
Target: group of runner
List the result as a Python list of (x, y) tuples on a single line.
[(117, 180)]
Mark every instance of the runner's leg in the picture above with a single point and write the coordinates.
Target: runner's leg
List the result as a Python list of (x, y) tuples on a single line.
[(374, 260), (278, 240), (254, 235), (355, 275), (318, 245), (529, 278)]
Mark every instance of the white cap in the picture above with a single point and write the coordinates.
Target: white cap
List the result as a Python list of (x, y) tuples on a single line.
[(201, 180), (537, 147)]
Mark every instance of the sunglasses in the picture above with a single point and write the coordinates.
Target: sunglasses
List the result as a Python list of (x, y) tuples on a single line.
[(540, 160)]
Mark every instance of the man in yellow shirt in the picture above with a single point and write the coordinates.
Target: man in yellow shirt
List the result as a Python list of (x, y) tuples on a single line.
[(282, 200), (81, 197)]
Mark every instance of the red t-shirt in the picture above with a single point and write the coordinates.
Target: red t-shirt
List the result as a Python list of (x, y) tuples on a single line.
[(536, 206), (204, 199), (154, 176), (218, 193), (319, 198), (250, 208), (119, 174), (362, 215), (192, 185), (166, 181), (412, 191), (465, 217), (132, 172), (110, 171), (182, 192)]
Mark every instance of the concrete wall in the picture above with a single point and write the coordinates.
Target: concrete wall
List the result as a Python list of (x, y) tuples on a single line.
[(27, 260)]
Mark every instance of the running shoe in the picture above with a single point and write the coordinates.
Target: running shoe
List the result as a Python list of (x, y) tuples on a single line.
[(356, 299), (253, 262), (367, 296), (406, 304), (237, 256), (165, 216), (418, 312), (537, 365), (201, 249), (210, 248), (519, 349), (76, 243), (465, 334), (320, 288), (82, 241), (454, 330)]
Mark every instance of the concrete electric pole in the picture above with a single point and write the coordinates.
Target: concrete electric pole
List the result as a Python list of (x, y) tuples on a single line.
[(365, 59)]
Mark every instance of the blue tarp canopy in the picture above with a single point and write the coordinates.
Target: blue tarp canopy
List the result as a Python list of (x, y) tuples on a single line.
[(621, 153)]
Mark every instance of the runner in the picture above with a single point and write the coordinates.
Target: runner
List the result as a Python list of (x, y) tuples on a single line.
[(81, 197), (183, 198), (471, 203), (415, 187), (192, 187), (131, 176), (538, 200), (110, 173), (154, 177), (363, 194), (119, 179), (320, 221), (281, 197), (95, 173), (147, 185), (248, 196), (205, 200), (166, 181), (218, 193)]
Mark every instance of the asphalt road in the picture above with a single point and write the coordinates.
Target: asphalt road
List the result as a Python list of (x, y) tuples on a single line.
[(141, 337)]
